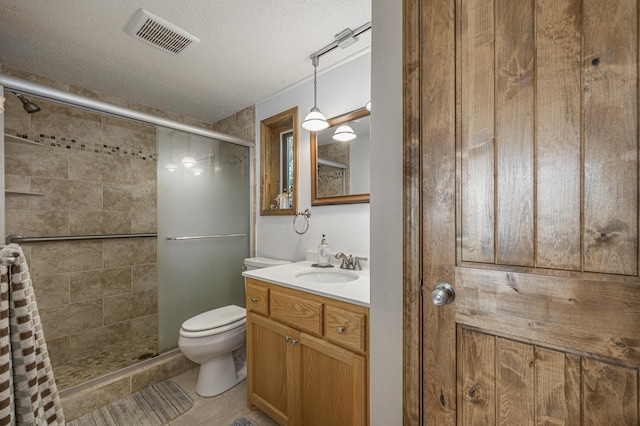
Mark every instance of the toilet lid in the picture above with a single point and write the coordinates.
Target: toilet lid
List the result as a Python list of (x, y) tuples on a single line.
[(215, 318)]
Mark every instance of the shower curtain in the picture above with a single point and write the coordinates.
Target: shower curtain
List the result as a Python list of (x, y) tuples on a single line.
[(28, 392)]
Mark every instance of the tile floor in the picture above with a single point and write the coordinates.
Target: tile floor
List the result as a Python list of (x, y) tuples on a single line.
[(219, 410)]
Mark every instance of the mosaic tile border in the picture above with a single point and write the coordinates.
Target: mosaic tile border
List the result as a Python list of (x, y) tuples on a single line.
[(78, 145)]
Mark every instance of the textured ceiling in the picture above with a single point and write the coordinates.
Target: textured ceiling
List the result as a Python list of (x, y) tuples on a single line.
[(248, 49)]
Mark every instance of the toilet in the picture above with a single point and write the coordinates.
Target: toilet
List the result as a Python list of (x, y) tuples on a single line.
[(216, 340)]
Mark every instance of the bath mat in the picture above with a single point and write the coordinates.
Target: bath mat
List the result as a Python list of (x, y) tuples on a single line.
[(242, 421), (152, 406)]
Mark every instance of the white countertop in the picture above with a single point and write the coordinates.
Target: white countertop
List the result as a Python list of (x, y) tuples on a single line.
[(356, 291)]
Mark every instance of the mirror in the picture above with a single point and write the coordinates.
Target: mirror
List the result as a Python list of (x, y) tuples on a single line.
[(342, 169), (278, 168)]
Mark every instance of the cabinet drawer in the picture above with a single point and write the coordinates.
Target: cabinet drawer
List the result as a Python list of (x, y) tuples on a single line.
[(345, 327), (300, 313), (257, 298)]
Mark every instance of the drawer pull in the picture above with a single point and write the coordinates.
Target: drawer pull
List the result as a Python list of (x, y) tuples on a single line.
[(340, 330), (254, 299), (293, 342), (287, 338)]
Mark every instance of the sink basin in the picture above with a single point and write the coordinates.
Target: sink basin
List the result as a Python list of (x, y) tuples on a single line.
[(327, 276)]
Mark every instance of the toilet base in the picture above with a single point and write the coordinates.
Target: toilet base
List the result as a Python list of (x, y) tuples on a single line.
[(218, 375)]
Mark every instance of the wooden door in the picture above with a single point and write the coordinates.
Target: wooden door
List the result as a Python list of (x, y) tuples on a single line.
[(523, 115), (332, 384), (270, 361)]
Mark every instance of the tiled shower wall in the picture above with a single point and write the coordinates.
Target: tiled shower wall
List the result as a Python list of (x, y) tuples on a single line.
[(97, 175), (333, 181)]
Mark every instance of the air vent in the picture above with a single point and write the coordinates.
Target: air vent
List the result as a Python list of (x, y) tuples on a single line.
[(156, 31)]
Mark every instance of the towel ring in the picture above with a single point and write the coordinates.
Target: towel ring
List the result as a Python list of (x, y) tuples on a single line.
[(306, 214)]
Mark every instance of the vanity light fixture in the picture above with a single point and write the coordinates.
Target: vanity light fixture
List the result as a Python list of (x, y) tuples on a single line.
[(188, 161), (344, 133), (315, 120)]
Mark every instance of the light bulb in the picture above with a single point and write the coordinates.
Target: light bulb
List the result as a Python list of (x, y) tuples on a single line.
[(172, 167), (197, 171)]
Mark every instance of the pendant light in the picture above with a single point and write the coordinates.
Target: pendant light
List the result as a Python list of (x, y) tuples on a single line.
[(315, 120), (344, 133)]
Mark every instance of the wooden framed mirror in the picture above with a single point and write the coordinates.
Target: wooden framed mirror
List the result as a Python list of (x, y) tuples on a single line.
[(341, 170), (278, 164)]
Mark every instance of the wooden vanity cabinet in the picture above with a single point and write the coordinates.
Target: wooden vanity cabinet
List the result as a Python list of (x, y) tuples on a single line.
[(301, 369)]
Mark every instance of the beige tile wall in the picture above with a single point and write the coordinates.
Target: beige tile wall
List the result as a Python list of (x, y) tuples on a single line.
[(333, 181), (97, 175), (241, 124)]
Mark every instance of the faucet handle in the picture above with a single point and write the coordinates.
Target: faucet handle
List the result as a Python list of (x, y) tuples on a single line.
[(356, 262)]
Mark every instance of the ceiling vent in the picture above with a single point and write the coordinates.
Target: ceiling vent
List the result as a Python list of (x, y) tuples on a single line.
[(156, 31)]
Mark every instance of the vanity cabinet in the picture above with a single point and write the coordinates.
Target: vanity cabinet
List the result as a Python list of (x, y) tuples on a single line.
[(307, 357)]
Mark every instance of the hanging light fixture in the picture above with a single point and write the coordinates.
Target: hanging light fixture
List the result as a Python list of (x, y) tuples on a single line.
[(315, 120), (344, 133)]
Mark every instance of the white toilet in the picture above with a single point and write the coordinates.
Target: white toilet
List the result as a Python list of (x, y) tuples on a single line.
[(216, 340)]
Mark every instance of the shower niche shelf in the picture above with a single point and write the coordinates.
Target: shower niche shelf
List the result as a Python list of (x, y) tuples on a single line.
[(14, 138), (12, 192)]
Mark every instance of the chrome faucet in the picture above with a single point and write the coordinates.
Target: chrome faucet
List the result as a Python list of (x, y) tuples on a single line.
[(349, 262)]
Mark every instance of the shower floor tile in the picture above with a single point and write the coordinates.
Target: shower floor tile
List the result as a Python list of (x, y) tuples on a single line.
[(82, 369)]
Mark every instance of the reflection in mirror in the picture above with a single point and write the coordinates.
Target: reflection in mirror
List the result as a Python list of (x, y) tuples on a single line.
[(278, 169), (340, 156)]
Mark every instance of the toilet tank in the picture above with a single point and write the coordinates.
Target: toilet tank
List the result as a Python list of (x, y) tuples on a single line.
[(252, 263)]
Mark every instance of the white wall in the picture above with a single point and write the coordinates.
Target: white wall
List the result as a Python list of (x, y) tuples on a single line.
[(340, 90), (386, 214), (360, 162)]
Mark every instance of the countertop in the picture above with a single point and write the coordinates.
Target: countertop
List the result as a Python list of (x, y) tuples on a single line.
[(356, 291)]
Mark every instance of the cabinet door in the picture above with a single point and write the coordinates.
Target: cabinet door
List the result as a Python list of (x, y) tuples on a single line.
[(331, 386), (269, 367)]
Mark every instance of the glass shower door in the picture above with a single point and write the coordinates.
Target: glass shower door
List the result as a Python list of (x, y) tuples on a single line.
[(203, 191)]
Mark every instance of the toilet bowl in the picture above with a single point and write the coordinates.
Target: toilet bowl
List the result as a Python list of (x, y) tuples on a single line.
[(216, 340)]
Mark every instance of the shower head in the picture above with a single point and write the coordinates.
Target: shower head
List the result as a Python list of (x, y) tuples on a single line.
[(28, 106)]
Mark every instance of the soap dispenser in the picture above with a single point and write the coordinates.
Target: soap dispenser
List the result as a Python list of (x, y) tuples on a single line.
[(323, 253)]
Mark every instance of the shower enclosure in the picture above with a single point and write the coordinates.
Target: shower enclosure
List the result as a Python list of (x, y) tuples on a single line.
[(73, 171), (203, 228)]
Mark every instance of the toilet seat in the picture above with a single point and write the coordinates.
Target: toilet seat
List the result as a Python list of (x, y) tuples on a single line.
[(214, 322)]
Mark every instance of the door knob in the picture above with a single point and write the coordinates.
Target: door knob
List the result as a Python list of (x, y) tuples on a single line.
[(442, 294)]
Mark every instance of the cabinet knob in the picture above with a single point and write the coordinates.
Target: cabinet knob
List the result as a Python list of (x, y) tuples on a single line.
[(287, 338), (254, 299), (340, 330), (293, 342)]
